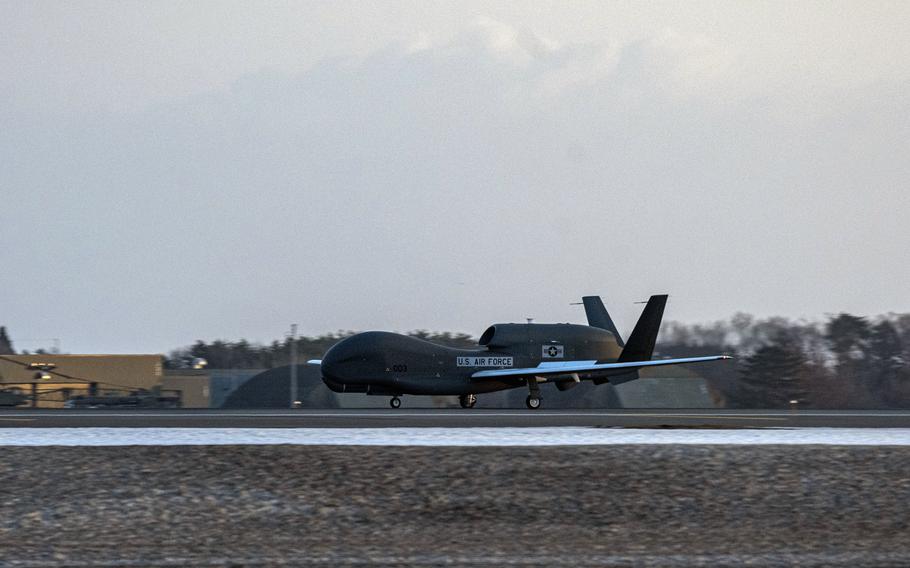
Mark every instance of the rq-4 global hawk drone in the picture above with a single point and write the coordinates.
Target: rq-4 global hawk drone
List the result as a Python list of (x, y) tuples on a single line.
[(510, 355)]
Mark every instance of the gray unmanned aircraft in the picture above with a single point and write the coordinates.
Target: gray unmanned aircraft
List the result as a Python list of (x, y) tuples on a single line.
[(510, 355)]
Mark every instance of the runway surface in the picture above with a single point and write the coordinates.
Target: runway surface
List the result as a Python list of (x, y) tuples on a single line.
[(442, 437), (454, 418)]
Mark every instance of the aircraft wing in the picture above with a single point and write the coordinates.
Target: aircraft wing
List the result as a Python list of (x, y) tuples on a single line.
[(588, 367)]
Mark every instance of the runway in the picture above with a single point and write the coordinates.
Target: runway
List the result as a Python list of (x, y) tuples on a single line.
[(452, 418), (458, 437)]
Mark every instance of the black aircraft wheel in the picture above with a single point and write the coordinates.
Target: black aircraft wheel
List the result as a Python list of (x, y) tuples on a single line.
[(533, 402), (395, 402), (467, 400)]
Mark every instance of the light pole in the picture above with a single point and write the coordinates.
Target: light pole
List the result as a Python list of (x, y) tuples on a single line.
[(293, 344)]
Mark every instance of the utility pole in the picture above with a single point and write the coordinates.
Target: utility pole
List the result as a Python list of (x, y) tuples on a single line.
[(293, 344)]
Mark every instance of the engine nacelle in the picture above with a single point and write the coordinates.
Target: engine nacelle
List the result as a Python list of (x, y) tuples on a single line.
[(504, 335)]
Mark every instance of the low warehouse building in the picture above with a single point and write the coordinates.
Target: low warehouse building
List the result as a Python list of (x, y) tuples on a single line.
[(50, 380)]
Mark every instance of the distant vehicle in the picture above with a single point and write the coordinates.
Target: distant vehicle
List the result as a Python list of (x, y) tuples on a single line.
[(135, 399), (12, 397), (511, 356)]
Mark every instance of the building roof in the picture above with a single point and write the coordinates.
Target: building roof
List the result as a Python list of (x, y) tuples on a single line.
[(126, 371)]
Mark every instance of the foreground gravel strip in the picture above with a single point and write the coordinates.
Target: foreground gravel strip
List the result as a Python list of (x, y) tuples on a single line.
[(661, 505)]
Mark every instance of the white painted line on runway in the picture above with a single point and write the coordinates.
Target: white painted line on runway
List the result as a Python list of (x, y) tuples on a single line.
[(562, 436)]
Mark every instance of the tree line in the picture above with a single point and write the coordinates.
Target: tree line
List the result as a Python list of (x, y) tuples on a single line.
[(6, 344), (224, 354), (846, 361)]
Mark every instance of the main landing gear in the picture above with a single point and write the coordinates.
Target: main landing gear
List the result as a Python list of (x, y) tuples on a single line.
[(533, 401), (467, 400), (395, 402)]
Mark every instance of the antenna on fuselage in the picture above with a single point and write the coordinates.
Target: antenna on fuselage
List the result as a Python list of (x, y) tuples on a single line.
[(529, 320), (646, 301)]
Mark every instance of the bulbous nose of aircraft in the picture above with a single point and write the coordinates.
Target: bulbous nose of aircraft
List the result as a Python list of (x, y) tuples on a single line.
[(331, 363), (340, 362), (332, 368), (357, 360)]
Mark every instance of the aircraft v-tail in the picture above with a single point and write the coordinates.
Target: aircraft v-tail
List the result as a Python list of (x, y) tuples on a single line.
[(509, 355)]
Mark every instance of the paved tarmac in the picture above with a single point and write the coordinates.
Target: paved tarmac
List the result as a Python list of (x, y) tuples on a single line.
[(423, 418)]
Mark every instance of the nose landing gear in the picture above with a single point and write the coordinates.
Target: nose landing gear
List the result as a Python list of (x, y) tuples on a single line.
[(467, 400), (395, 402)]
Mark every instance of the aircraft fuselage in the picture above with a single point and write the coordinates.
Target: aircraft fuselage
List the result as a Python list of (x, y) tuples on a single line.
[(378, 362), (509, 355)]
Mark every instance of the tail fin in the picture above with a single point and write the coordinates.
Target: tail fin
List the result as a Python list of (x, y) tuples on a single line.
[(598, 317), (640, 346)]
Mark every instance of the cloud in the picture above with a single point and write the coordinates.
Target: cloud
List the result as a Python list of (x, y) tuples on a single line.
[(692, 64), (358, 193), (512, 45)]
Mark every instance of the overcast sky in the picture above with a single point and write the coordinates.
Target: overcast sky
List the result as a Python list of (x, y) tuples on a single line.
[(173, 171)]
